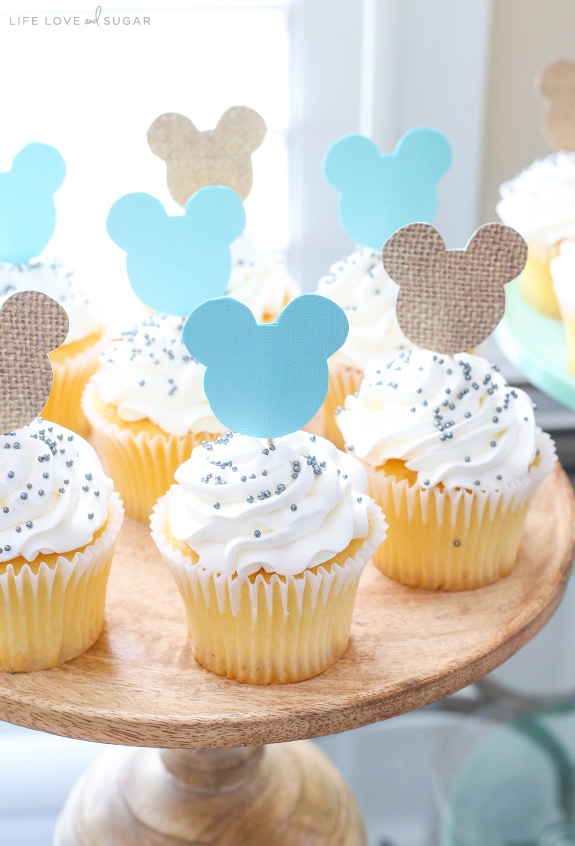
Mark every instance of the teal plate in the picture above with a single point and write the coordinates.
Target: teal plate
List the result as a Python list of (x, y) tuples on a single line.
[(536, 345), (515, 786)]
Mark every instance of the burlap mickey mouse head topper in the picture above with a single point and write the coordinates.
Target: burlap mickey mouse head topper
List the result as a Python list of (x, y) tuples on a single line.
[(557, 85), (31, 326), (219, 156), (451, 300)]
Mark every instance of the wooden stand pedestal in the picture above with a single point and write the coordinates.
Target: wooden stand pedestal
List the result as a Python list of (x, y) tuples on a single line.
[(256, 795)]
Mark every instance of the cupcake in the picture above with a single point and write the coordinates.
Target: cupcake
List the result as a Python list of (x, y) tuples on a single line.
[(77, 359), (362, 288), (260, 280), (267, 540), (147, 406), (540, 204), (453, 457), (563, 276), (58, 526)]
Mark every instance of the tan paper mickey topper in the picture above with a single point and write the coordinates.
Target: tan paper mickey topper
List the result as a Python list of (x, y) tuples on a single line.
[(219, 156), (31, 326), (557, 85), (451, 300)]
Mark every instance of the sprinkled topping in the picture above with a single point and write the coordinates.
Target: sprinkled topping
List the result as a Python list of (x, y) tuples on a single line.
[(50, 523), (468, 417), (171, 394)]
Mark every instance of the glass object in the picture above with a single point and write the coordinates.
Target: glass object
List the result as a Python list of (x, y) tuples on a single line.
[(507, 778)]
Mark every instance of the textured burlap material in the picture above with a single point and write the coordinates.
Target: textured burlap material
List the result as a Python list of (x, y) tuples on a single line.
[(451, 300), (31, 326), (557, 85), (219, 156)]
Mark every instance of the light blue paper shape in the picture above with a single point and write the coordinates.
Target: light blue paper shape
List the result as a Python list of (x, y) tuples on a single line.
[(27, 211), (268, 379), (381, 193), (176, 263)]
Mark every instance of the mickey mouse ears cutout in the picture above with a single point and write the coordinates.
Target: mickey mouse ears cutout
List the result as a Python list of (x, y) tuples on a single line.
[(451, 300), (380, 193), (27, 212), (557, 85), (174, 263), (31, 325), (219, 156), (247, 382)]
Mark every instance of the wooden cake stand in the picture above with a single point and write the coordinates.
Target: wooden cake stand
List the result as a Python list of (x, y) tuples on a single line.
[(213, 781)]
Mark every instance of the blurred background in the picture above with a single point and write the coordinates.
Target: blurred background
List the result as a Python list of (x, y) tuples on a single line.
[(315, 70)]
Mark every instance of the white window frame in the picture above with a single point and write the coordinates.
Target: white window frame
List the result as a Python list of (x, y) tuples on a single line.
[(352, 70)]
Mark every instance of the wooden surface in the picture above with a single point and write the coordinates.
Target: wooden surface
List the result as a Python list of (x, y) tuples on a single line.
[(283, 794), (139, 685)]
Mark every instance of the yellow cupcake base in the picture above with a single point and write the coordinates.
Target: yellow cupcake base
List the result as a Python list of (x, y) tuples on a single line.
[(50, 612), (268, 628), (449, 540), (536, 283), (72, 366), (141, 461)]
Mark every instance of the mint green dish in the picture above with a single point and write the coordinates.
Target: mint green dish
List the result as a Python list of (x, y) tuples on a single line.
[(514, 785), (536, 345)]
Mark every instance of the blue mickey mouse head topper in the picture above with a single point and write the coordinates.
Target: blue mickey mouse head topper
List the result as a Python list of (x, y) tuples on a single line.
[(176, 262), (381, 193), (269, 379), (27, 211)]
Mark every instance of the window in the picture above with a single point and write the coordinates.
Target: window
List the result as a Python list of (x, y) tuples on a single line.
[(93, 90)]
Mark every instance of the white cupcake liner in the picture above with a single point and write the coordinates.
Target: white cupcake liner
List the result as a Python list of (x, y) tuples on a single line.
[(57, 612), (70, 378), (454, 539), (142, 465), (509, 496), (272, 629), (321, 583)]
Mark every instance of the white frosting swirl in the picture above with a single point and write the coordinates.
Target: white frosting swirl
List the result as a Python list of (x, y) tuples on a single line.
[(540, 202), (362, 288), (53, 491), (451, 420), (260, 280), (148, 373), (53, 280), (243, 504), (563, 275)]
